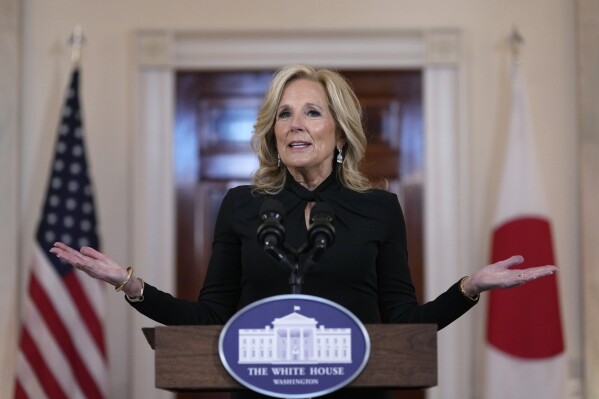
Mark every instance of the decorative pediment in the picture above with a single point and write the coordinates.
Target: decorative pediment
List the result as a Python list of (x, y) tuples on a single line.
[(294, 319)]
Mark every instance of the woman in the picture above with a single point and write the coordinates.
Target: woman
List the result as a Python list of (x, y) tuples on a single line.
[(309, 140)]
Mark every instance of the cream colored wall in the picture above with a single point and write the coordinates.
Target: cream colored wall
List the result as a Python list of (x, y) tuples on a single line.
[(10, 22), (549, 70)]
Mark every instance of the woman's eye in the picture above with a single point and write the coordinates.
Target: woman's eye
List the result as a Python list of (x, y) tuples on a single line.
[(313, 113), (284, 114)]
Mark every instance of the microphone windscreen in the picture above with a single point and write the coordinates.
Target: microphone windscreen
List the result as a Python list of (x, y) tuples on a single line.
[(271, 205), (322, 208)]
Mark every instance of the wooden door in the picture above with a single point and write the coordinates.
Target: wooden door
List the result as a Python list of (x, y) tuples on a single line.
[(215, 112)]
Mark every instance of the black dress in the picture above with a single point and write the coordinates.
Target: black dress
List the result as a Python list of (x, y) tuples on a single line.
[(365, 270)]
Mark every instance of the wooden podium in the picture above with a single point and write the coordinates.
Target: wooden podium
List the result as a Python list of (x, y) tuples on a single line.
[(187, 359)]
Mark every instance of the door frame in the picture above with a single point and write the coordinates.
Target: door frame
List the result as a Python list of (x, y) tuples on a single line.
[(158, 54)]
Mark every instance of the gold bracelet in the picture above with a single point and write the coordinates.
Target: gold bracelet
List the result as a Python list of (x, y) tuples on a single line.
[(129, 273), (140, 297), (472, 298)]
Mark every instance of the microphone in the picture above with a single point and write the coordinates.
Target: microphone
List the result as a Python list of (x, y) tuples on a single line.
[(271, 233), (321, 233)]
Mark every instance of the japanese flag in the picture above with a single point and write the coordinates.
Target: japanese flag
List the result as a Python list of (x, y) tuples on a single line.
[(525, 347)]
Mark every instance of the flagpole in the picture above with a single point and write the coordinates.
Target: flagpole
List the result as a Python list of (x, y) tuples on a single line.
[(76, 42)]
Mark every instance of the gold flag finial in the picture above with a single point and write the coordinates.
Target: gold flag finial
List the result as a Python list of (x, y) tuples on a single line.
[(76, 42), (516, 40)]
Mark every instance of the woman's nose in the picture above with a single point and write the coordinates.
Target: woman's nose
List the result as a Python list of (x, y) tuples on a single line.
[(296, 124)]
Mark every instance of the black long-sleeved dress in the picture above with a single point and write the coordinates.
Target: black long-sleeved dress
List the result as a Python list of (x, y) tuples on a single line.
[(365, 270)]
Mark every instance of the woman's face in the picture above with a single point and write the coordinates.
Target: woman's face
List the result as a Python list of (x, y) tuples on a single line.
[(305, 130)]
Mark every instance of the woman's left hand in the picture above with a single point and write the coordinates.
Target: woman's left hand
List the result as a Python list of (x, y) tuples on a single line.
[(499, 275)]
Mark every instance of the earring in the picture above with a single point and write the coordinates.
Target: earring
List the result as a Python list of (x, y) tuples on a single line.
[(278, 161), (340, 155)]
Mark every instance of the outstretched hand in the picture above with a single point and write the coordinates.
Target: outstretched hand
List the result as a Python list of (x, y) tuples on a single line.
[(500, 275), (92, 262)]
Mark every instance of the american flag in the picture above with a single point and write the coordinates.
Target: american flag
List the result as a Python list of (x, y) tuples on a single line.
[(62, 352)]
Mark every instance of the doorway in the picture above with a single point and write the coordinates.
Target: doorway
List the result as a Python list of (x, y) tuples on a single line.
[(215, 111)]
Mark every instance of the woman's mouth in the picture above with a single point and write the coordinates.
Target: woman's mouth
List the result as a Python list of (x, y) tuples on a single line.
[(299, 144)]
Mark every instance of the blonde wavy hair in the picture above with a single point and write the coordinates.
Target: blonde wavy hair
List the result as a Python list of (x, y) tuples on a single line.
[(347, 113)]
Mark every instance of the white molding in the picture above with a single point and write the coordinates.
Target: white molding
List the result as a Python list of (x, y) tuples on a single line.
[(160, 53), (152, 208), (233, 50), (588, 87), (445, 221)]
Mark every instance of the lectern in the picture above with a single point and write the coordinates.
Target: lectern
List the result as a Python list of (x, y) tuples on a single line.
[(187, 359)]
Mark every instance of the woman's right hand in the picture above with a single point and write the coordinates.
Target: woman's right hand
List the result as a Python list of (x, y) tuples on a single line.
[(97, 265)]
